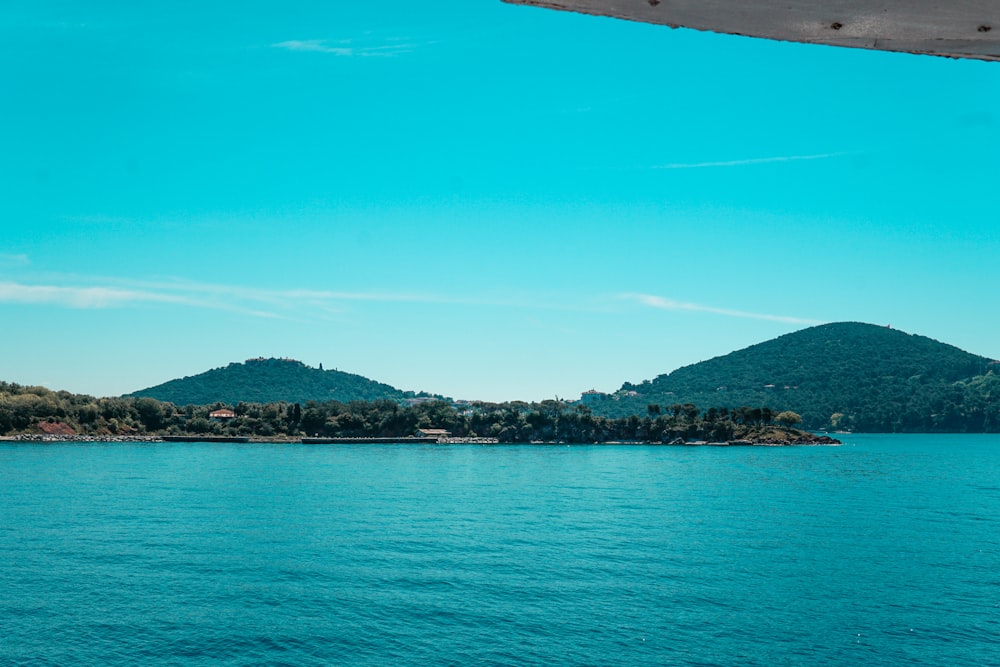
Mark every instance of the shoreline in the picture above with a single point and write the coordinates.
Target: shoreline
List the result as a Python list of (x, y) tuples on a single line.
[(158, 439)]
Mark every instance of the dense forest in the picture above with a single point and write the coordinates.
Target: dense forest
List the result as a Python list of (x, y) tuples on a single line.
[(35, 409), (844, 376), (269, 380)]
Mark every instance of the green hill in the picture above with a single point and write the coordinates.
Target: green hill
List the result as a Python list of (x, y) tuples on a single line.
[(844, 376), (269, 380)]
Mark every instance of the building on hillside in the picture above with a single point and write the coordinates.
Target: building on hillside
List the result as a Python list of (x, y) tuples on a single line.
[(221, 415), (410, 402), (592, 396), (438, 433)]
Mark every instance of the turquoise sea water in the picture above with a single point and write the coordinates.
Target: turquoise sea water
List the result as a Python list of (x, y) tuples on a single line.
[(884, 551)]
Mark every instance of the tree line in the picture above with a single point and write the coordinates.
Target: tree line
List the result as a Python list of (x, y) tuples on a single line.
[(22, 409)]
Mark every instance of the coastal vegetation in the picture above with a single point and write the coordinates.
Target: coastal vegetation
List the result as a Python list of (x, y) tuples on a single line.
[(39, 410)]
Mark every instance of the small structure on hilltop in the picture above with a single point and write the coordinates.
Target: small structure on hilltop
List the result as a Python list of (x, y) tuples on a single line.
[(592, 396)]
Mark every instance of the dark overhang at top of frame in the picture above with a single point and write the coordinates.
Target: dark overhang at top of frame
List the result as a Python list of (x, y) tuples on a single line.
[(950, 28)]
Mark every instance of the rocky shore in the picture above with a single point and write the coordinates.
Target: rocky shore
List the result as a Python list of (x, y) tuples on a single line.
[(468, 441), (40, 437), (783, 438), (808, 440)]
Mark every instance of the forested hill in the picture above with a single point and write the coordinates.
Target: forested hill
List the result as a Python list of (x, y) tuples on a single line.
[(267, 381), (844, 376)]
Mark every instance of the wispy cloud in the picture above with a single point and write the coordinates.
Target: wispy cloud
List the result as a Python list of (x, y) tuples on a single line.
[(748, 162), (349, 48), (82, 293), (8, 260), (75, 297), (98, 219), (104, 296), (669, 304), (280, 296), (296, 304)]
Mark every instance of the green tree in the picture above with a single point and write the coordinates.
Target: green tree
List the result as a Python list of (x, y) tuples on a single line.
[(767, 415), (150, 413), (788, 418)]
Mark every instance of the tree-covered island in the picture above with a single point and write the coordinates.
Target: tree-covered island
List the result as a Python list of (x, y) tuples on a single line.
[(844, 376), (36, 411)]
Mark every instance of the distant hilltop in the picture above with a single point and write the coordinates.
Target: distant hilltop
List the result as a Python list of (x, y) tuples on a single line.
[(267, 380), (841, 376)]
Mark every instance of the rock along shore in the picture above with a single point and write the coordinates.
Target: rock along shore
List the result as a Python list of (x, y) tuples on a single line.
[(801, 439), (39, 437)]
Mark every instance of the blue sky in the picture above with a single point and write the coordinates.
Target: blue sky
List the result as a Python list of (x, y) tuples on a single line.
[(477, 199)]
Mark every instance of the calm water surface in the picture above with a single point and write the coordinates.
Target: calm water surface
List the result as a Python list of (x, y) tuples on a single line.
[(884, 551)]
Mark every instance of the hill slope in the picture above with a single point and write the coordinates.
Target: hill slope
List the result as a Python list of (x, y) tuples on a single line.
[(266, 381), (872, 378)]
